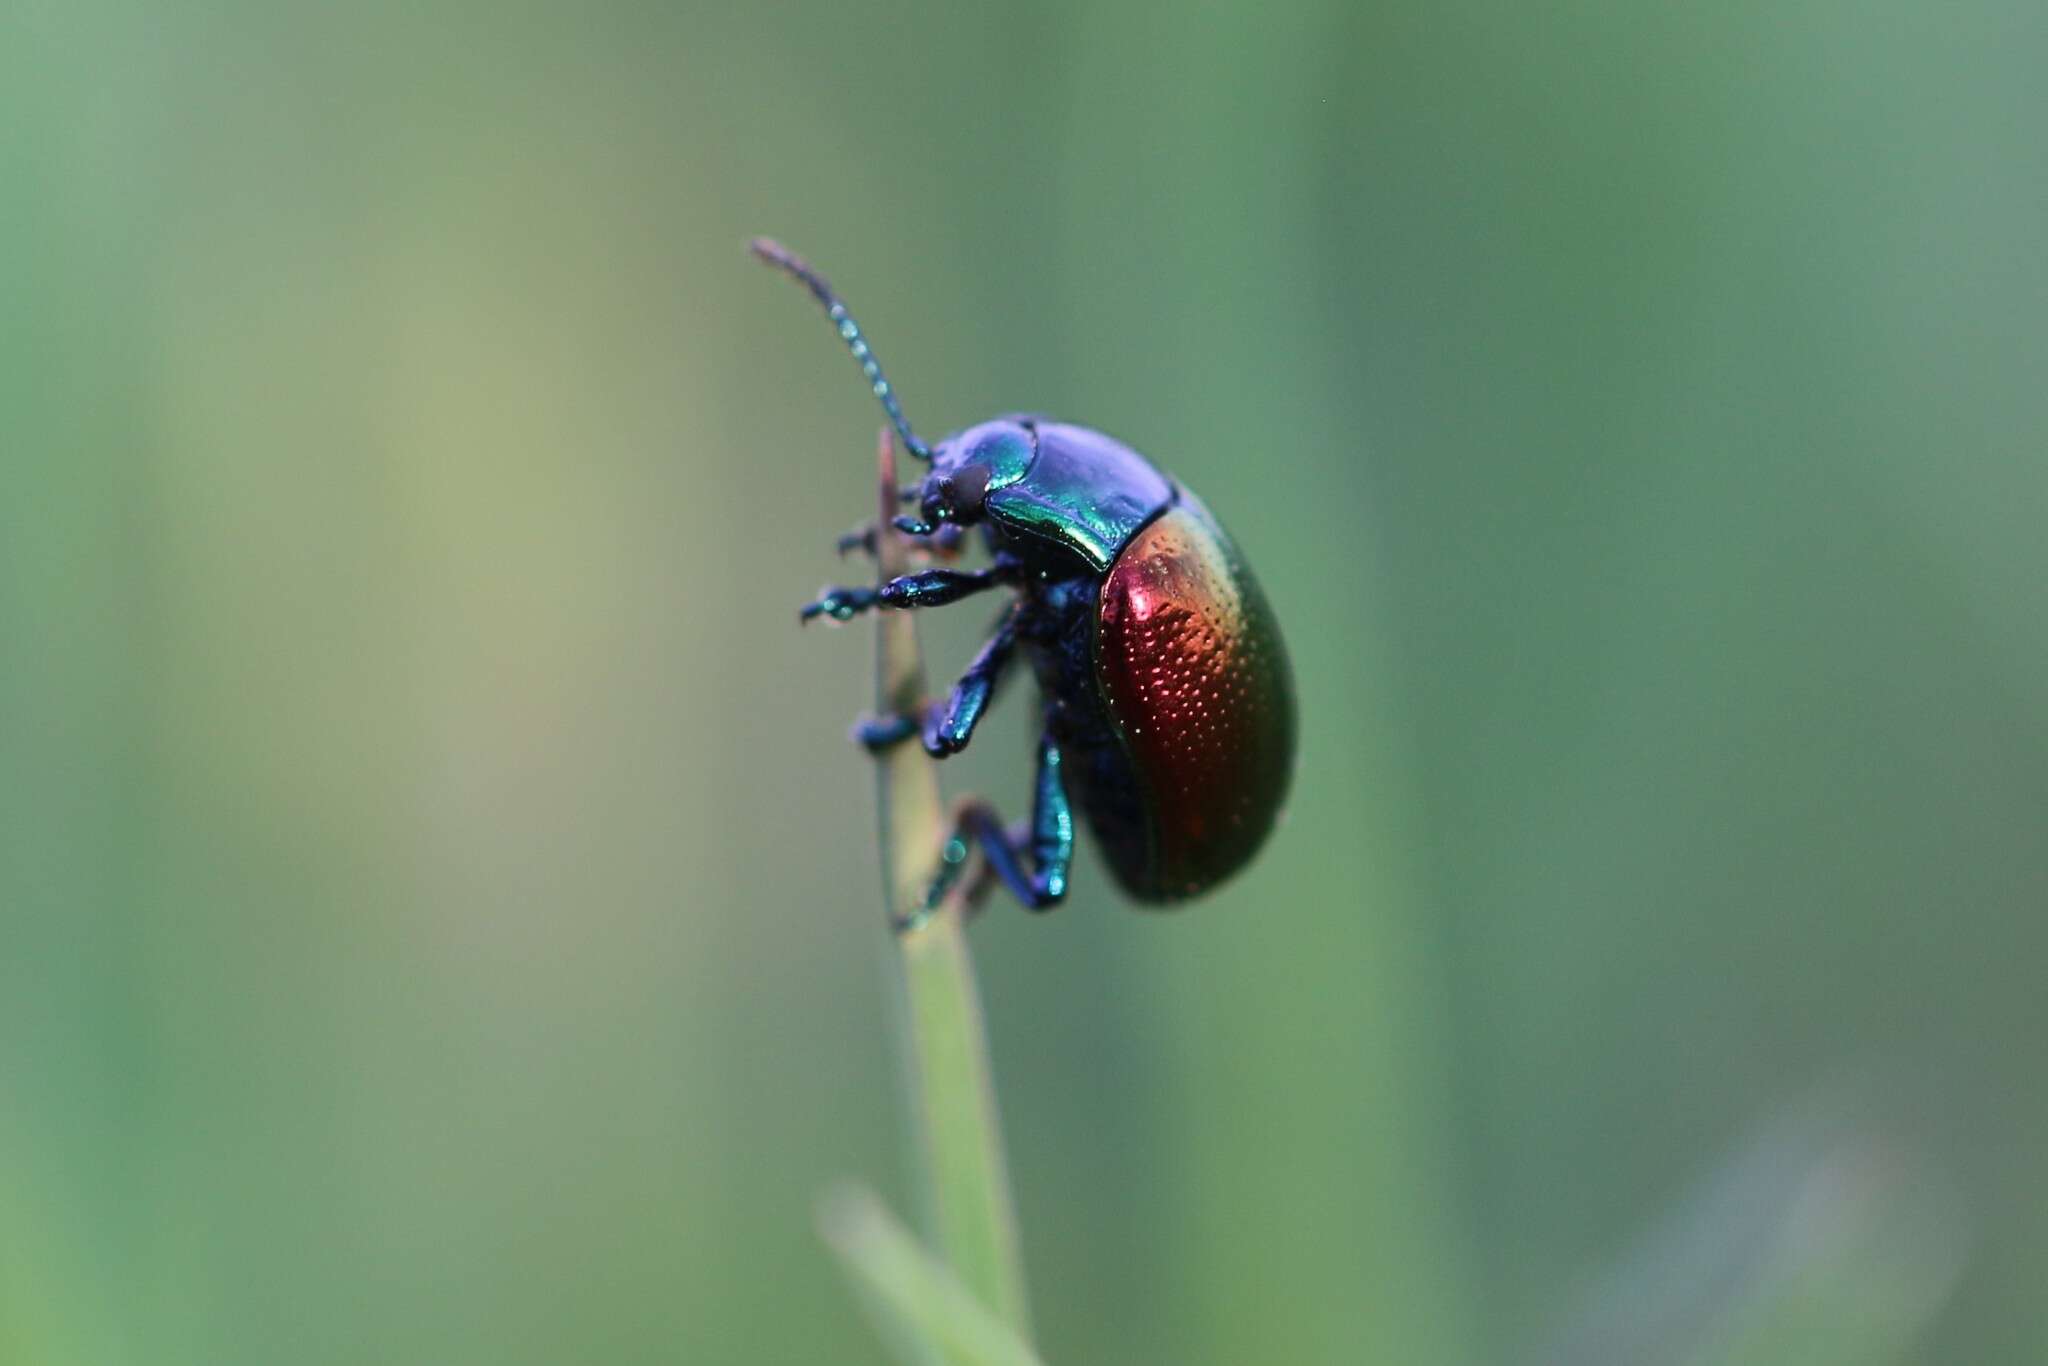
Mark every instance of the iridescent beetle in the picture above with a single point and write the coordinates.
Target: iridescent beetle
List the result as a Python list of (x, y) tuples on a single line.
[(1168, 704)]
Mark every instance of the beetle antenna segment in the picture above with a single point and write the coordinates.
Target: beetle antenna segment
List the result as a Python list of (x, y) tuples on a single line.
[(787, 261)]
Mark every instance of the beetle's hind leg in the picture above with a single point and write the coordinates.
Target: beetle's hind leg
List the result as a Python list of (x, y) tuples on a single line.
[(1047, 845)]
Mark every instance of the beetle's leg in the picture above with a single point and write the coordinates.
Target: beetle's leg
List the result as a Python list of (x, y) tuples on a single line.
[(944, 544), (841, 604), (1049, 844), (929, 588), (877, 734), (947, 726), (861, 538)]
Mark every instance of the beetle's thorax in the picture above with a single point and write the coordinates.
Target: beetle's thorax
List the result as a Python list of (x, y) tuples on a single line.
[(1061, 494)]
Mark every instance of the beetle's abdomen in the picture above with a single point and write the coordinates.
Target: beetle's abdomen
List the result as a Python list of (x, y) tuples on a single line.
[(1190, 661)]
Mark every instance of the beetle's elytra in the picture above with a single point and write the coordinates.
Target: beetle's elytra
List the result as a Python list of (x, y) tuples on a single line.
[(1168, 705)]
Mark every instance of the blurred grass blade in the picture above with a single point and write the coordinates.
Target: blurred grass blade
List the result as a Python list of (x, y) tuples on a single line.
[(1867, 1255), (965, 1179), (1823, 1241), (920, 1301)]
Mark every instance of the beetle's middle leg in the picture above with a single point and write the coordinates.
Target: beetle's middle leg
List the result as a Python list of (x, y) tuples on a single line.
[(1048, 844), (947, 726)]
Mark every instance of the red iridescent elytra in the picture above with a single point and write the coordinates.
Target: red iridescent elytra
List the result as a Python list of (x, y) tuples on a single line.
[(1194, 673)]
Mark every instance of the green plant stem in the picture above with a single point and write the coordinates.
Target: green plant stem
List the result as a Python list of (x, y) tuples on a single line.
[(970, 1216), (916, 1298)]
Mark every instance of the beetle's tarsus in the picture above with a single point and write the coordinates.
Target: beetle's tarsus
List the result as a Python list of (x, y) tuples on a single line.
[(942, 543), (879, 734), (1047, 842), (840, 604), (861, 538)]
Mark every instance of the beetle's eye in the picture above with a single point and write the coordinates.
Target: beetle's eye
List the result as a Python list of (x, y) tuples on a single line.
[(957, 494), (968, 488)]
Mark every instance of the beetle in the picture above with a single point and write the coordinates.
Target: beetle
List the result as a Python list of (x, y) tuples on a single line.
[(1166, 696)]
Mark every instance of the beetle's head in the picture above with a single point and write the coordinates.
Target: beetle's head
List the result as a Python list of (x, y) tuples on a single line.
[(969, 466)]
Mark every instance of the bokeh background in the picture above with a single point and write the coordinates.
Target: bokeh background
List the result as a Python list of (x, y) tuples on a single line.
[(438, 906)]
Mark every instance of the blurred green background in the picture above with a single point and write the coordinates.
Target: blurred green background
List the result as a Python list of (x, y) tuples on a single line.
[(438, 911)]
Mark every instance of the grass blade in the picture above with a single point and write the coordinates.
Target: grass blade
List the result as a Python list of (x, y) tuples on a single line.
[(918, 1299), (966, 1192)]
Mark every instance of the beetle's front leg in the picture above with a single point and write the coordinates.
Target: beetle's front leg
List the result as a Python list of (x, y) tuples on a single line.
[(944, 544), (930, 588)]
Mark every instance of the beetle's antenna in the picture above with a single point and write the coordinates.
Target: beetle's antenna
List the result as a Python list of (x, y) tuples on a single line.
[(787, 261)]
